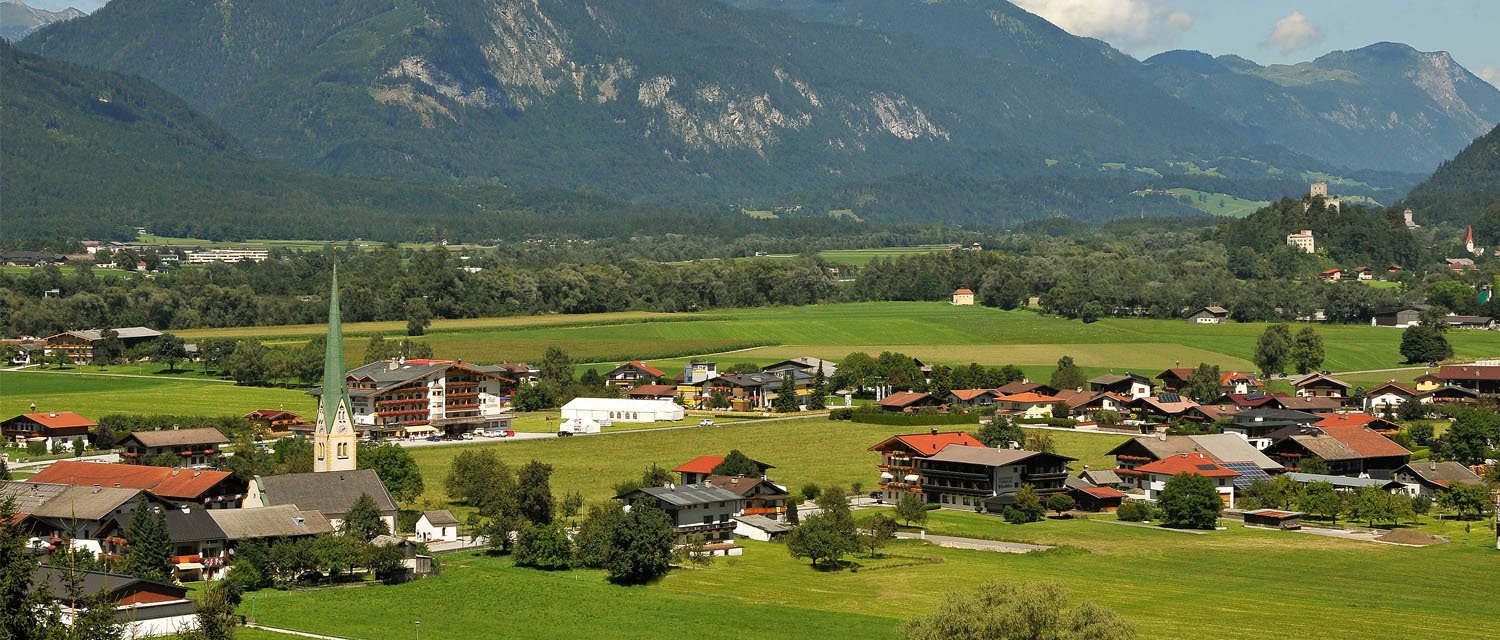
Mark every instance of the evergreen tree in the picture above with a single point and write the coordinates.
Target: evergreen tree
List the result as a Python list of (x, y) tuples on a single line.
[(379, 349), (1067, 376), (792, 517), (556, 368), (363, 519), (148, 546), (1307, 351), (786, 395), (1273, 349), (1203, 383), (818, 394), (1027, 506), (418, 317), (737, 464)]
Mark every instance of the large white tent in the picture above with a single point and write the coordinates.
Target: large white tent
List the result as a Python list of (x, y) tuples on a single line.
[(621, 410)]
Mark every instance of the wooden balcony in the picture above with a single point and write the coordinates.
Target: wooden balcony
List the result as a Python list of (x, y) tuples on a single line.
[(765, 511)]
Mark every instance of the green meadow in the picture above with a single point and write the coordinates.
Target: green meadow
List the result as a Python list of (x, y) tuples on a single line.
[(95, 395), (1231, 584)]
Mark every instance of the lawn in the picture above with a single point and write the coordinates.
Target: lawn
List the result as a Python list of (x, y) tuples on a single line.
[(94, 395), (862, 257), (1219, 204), (815, 450), (1170, 585)]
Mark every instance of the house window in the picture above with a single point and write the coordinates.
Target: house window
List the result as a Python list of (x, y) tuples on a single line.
[(708, 519)]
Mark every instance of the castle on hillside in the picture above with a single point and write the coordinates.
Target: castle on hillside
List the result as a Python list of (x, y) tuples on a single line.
[(1320, 190)]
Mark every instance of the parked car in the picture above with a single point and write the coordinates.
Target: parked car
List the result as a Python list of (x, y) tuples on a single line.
[(705, 423), (467, 436), (434, 438)]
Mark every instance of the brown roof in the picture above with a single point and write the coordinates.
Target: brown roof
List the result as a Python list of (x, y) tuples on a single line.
[(1468, 372), (981, 455), (1442, 473), (903, 399), (654, 390), (1020, 387), (1346, 442), (59, 419), (1311, 404), (740, 485), (160, 481), (269, 522), (178, 437)]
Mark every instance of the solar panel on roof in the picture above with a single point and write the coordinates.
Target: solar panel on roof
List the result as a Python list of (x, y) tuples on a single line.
[(1248, 471), (1207, 467), (1168, 397), (1255, 395)]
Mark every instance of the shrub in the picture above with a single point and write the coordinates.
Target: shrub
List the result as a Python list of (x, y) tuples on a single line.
[(841, 414), (810, 491), (1130, 511)]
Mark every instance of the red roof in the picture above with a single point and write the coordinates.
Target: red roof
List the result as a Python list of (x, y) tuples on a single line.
[(60, 420), (1181, 373), (970, 394), (1029, 396), (929, 444), (161, 481), (1187, 463), (963, 292), (647, 368), (1364, 441), (1354, 419), (1103, 492), (902, 398), (700, 464), (1235, 375)]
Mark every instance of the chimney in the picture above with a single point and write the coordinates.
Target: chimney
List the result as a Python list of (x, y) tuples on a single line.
[(196, 472), (392, 366), (117, 485), (176, 470), (934, 431), (185, 509), (52, 415), (1431, 464)]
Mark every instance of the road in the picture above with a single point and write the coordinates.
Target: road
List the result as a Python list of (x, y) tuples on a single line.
[(534, 436), (976, 544)]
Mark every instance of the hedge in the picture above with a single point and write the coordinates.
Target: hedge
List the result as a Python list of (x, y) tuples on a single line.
[(911, 419)]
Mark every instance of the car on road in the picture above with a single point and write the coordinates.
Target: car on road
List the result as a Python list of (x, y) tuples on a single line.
[(705, 423), (434, 438), (467, 436)]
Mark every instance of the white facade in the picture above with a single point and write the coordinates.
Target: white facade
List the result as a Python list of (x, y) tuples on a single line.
[(1303, 240), (1155, 483), (228, 255), (428, 532), (621, 410)]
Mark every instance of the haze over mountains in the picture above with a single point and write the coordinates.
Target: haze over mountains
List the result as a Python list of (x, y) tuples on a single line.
[(18, 19), (872, 105)]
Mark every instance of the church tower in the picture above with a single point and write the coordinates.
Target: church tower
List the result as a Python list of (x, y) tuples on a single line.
[(334, 437)]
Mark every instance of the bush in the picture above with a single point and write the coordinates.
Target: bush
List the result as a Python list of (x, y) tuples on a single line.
[(810, 491), (1131, 511), (841, 414), (912, 419), (933, 506)]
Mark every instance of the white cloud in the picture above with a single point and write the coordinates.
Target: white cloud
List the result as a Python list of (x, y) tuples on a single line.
[(1294, 32), (1125, 23), (1491, 75)]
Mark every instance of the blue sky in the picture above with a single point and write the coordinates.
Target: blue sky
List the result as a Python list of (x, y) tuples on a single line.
[(1283, 31), (1266, 31)]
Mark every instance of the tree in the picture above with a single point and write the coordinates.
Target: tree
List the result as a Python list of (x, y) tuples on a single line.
[(170, 349), (655, 476), (556, 368), (379, 349), (1421, 505), (1018, 611), (810, 491), (737, 464), (911, 508), (545, 547), (396, 468), (1190, 500), (1307, 351), (1425, 343), (591, 378), (1322, 500), (1027, 507), (18, 601), (1314, 465), (363, 520), (596, 534), (786, 396), (247, 363), (817, 396), (1465, 499), (148, 546), (1067, 375), (60, 359), (571, 505), (792, 517), (1273, 349), (1060, 502), (875, 531), (1420, 433), (1130, 511), (641, 544), (482, 480), (821, 537), (1372, 504), (534, 397), (418, 317), (1000, 432), (1472, 436), (1038, 440), (109, 349), (534, 501)]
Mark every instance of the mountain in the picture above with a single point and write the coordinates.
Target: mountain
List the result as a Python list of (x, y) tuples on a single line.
[(18, 19), (653, 100), (93, 154), (1386, 106), (1464, 190)]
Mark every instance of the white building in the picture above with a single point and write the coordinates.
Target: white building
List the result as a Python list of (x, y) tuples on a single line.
[(420, 397), (1302, 240), (437, 526), (228, 255), (621, 410), (1154, 475)]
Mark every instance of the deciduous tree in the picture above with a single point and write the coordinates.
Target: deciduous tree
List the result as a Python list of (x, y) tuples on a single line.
[(396, 468), (641, 544), (911, 509), (1273, 349), (1307, 351), (1190, 500), (363, 520), (1008, 610)]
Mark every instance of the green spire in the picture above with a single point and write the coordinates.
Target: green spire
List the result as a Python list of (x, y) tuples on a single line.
[(334, 388)]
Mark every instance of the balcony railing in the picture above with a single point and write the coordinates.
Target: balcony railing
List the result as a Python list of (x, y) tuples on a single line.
[(949, 473), (1044, 475), (973, 491), (764, 511)]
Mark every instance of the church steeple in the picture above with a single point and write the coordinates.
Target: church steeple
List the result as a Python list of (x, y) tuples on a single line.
[(334, 437)]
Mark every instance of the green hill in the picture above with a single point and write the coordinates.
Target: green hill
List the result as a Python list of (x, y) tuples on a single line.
[(1386, 106), (1464, 190), (656, 100)]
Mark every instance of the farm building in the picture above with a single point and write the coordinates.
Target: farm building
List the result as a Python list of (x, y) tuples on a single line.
[(1273, 518), (621, 410), (1209, 315), (437, 525)]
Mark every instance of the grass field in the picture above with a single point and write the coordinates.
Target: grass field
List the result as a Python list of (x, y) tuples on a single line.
[(95, 395), (1219, 204), (1237, 583), (862, 257)]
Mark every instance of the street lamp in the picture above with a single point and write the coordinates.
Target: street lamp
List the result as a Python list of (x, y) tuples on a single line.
[(418, 623)]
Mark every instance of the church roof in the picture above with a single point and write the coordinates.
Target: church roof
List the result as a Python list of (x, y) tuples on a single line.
[(330, 492), (333, 358)]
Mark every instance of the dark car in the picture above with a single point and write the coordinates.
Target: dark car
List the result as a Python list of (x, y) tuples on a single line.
[(434, 438)]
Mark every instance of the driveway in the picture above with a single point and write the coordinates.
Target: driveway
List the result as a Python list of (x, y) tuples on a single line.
[(976, 544)]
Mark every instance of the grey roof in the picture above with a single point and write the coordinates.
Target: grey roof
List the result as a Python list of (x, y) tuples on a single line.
[(193, 525), (85, 503), (1228, 447), (179, 437), (330, 493), (985, 456), (760, 379), (1314, 377), (93, 582), (123, 333), (1101, 476), (1341, 481), (1272, 417), (1442, 473), (440, 518), (687, 495), (1113, 378), (269, 522), (30, 496), (764, 524)]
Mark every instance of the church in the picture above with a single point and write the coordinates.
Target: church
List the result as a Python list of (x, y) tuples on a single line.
[(334, 436)]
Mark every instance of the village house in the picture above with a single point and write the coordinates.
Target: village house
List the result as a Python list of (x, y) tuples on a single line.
[(329, 493), (1228, 450), (79, 345), (966, 398), (1427, 382), (436, 525), (898, 455), (803, 364), (1163, 407), (1482, 378), (1474, 323), (762, 506), (1333, 275), (965, 476), (1247, 401), (419, 397), (699, 469), (63, 512), (1175, 379), (1029, 405), (273, 423), (1209, 315), (1357, 419), (701, 514), (1086, 405), (1364, 274), (174, 486), (1025, 386), (1129, 385), (520, 372), (1320, 386), (1311, 404), (1257, 425), (1400, 318), (1388, 397), (633, 373), (188, 447), (1430, 478), (1346, 450), (144, 608), (1235, 382), (908, 401), (963, 298), (52, 429), (753, 391), (1448, 393), (1096, 498), (1154, 475), (1345, 484)]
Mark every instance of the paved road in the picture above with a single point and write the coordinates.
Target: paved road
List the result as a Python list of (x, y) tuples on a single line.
[(289, 632), (534, 436), (977, 544)]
